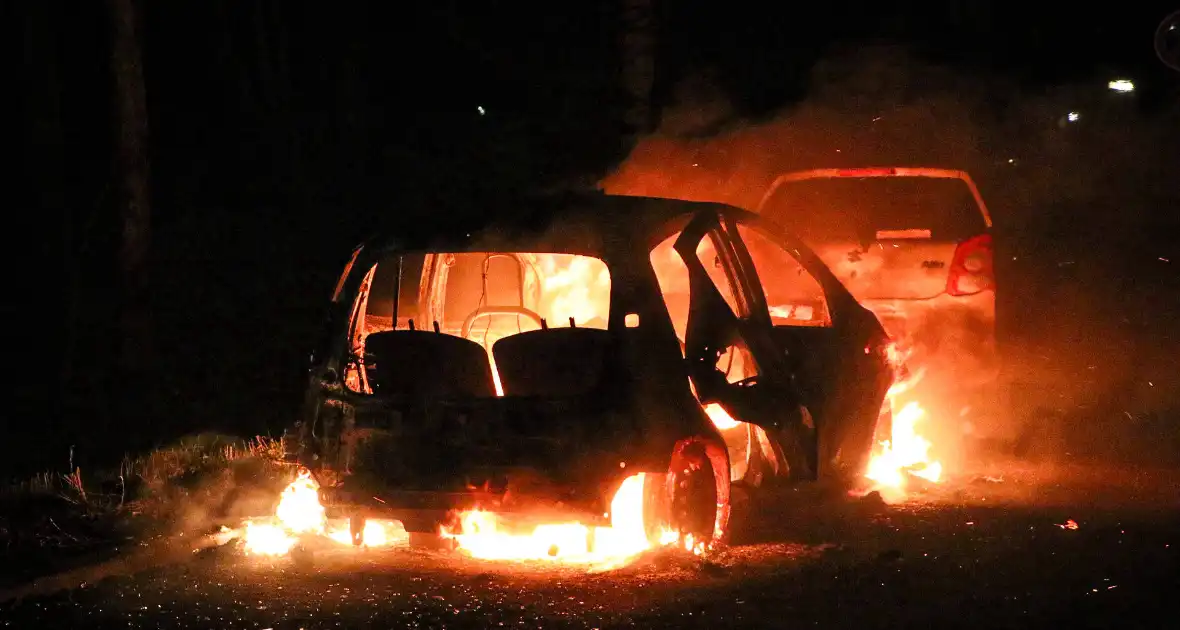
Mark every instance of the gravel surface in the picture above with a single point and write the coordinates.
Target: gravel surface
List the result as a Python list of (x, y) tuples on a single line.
[(985, 550)]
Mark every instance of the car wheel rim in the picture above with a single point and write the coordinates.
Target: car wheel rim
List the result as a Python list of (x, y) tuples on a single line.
[(694, 502)]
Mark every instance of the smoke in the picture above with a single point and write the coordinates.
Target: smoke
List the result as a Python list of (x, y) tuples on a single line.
[(1078, 178), (883, 105)]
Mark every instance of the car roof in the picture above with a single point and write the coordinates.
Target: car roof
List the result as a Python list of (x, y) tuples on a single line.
[(578, 222)]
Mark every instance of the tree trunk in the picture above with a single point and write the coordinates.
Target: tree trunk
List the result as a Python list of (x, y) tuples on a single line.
[(133, 174), (638, 43)]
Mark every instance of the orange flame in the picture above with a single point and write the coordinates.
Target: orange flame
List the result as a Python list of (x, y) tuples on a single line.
[(574, 286), (300, 513), (481, 535), (906, 452), (721, 419), (568, 286)]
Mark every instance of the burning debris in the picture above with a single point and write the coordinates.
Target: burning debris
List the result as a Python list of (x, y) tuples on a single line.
[(478, 533), (905, 453), (481, 535), (300, 514)]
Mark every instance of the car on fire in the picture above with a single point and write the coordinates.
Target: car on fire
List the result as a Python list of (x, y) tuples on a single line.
[(913, 245), (531, 366)]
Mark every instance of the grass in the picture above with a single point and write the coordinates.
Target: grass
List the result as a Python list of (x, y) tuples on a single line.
[(142, 478), (187, 486), (55, 520), (196, 455)]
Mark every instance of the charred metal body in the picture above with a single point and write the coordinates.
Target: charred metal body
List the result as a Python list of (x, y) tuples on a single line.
[(431, 412)]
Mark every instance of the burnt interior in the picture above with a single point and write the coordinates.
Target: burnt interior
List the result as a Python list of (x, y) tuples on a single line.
[(479, 325)]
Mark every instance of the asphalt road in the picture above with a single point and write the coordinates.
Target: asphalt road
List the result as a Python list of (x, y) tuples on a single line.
[(987, 550)]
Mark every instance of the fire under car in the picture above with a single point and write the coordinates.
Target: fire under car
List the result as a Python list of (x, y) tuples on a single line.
[(529, 367)]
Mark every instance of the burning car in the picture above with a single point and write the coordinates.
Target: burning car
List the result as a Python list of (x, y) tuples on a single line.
[(913, 245), (600, 361)]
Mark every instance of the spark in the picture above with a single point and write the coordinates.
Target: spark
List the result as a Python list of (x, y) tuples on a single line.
[(1073, 116), (481, 110)]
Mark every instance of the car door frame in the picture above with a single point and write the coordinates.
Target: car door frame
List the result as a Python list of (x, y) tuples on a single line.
[(847, 400), (770, 399)]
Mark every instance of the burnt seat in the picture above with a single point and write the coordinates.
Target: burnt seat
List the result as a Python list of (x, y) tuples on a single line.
[(552, 361), (423, 364)]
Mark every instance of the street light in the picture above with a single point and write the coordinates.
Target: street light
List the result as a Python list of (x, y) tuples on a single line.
[(1121, 85)]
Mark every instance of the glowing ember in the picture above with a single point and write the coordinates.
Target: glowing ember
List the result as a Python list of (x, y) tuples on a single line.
[(904, 453), (480, 534), (300, 513)]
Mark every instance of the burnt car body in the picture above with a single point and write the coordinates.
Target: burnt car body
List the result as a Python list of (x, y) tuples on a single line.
[(531, 366)]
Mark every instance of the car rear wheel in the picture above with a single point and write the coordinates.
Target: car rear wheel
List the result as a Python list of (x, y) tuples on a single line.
[(698, 497)]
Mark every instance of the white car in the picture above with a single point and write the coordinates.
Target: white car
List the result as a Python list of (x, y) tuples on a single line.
[(914, 246)]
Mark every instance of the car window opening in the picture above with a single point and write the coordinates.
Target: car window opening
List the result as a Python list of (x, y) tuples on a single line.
[(743, 440), (794, 297), (432, 324), (871, 208)]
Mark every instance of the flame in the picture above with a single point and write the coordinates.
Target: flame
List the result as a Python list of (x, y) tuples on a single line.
[(300, 513), (573, 286), (906, 452), (561, 287), (721, 419), (481, 534), (299, 507), (265, 539)]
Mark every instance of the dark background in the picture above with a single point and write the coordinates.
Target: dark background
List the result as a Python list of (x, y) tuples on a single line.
[(282, 132)]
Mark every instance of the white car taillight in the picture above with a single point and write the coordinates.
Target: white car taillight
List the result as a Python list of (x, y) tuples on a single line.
[(971, 268)]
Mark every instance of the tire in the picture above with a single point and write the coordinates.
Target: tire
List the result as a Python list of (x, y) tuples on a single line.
[(698, 497)]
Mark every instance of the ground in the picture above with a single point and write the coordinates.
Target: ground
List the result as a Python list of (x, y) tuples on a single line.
[(993, 548)]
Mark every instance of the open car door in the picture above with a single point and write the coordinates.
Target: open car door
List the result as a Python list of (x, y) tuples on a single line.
[(835, 350), (732, 356)]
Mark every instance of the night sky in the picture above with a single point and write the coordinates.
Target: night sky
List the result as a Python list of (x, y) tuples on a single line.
[(281, 132)]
